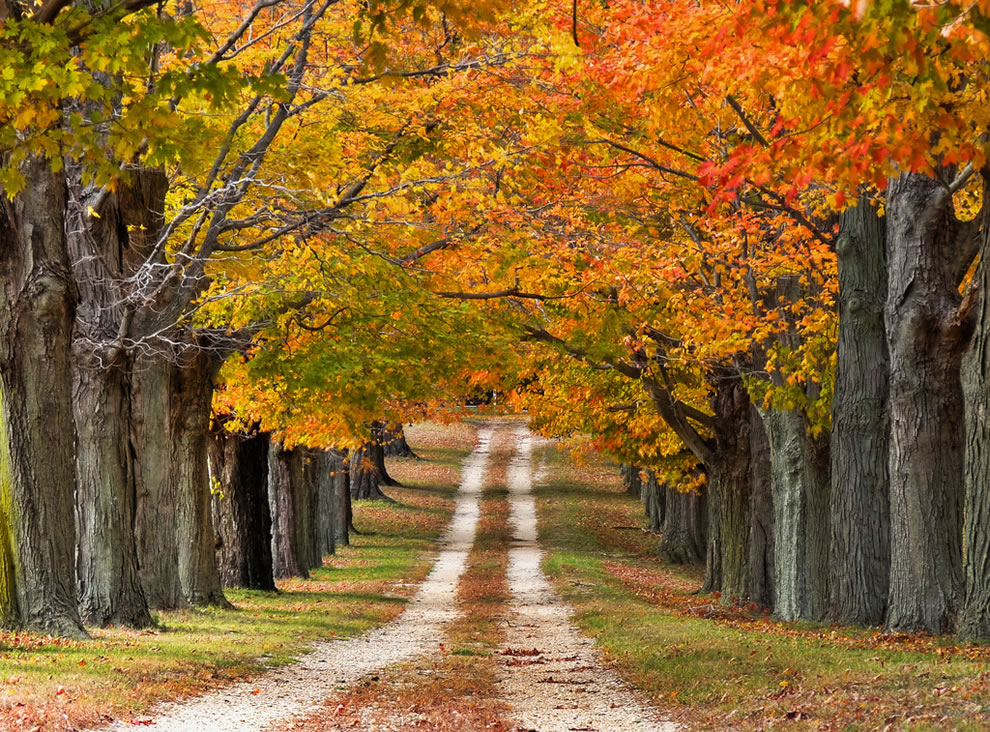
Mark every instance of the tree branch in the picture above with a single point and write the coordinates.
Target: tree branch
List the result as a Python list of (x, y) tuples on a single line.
[(757, 135)]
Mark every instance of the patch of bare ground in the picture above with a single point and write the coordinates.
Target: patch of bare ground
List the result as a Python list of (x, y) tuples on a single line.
[(456, 688)]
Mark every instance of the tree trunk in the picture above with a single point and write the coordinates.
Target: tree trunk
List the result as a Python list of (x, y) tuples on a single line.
[(365, 484), (156, 530), (727, 560), (761, 524), (396, 445), (193, 380), (110, 591), (290, 499), (242, 518), (37, 472), (860, 513), (631, 479), (177, 546), (685, 529), (308, 520), (342, 492), (376, 451), (284, 554), (799, 479), (325, 467), (974, 619), (926, 404), (654, 497)]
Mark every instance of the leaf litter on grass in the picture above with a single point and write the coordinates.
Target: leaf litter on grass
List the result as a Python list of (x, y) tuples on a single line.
[(731, 665), (120, 673)]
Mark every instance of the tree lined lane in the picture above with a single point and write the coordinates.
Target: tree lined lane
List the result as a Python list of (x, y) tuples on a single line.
[(301, 688)]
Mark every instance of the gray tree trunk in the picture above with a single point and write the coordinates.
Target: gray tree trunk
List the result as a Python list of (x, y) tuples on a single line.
[(376, 452), (156, 529), (654, 497), (308, 522), (107, 249), (631, 479), (685, 527), (364, 477), (37, 434), (193, 382), (342, 492), (285, 557), (110, 591), (396, 445), (860, 511), (728, 492), (325, 467), (179, 566), (242, 518), (761, 524), (926, 404), (799, 479), (291, 498), (974, 619)]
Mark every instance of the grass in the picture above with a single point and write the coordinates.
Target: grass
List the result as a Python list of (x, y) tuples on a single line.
[(53, 684), (718, 667)]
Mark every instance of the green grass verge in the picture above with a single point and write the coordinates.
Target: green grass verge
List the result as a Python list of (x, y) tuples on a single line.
[(55, 684), (713, 673)]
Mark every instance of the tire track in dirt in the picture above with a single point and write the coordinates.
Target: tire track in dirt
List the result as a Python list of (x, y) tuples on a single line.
[(552, 677), (300, 688)]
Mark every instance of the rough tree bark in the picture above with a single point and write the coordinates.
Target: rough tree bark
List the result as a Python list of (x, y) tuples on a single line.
[(110, 591), (285, 554), (685, 527), (242, 518), (396, 445), (727, 556), (860, 512), (157, 493), (631, 479), (376, 451), (193, 382), (654, 497), (308, 522), (342, 492), (171, 422), (926, 440), (364, 477), (974, 619), (799, 478), (106, 249), (37, 472), (325, 467), (761, 524), (291, 499)]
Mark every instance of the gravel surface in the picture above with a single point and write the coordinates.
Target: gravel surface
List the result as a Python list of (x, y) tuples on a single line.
[(300, 688), (552, 676)]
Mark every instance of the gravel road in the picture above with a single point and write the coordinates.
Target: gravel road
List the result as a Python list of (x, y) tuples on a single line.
[(552, 677), (300, 688)]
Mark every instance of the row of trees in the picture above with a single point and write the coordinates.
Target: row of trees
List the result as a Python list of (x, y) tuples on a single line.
[(741, 246), (770, 218), (184, 189)]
